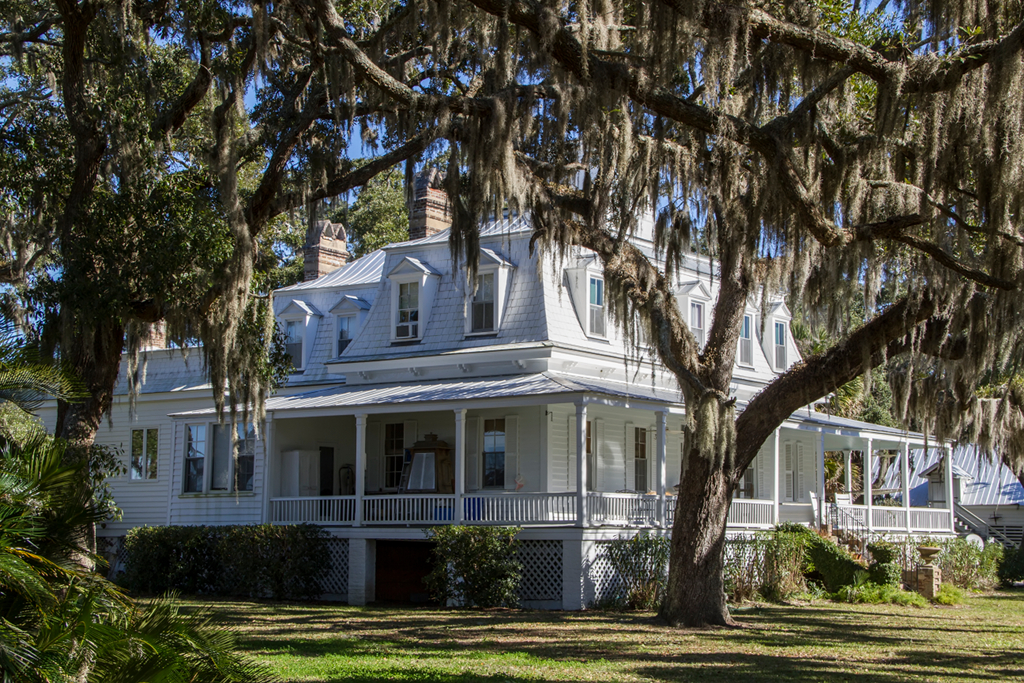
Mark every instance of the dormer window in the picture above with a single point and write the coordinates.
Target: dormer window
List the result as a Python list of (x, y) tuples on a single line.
[(483, 304), (407, 325), (697, 322), (345, 323), (747, 341), (300, 321), (413, 286), (595, 310), (780, 346), (293, 342)]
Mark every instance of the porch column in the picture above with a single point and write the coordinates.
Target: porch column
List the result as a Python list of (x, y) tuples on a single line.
[(905, 479), (460, 462), (268, 450), (360, 468), (821, 478), (581, 465), (775, 477), (949, 484), (660, 471), (867, 481), (847, 474)]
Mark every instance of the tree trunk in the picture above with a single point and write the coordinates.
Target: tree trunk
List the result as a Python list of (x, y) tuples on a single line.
[(695, 595)]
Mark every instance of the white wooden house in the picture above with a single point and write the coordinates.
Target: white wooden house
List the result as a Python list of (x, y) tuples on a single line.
[(553, 419)]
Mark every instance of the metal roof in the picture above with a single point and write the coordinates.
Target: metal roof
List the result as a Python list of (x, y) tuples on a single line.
[(363, 271), (404, 393), (985, 480)]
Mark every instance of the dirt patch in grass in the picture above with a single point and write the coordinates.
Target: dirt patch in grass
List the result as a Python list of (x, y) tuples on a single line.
[(982, 640)]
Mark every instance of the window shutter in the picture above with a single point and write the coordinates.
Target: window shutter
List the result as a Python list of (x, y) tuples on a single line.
[(511, 451), (789, 471), (570, 450), (630, 483), (800, 476), (762, 490), (473, 450), (374, 451), (594, 469)]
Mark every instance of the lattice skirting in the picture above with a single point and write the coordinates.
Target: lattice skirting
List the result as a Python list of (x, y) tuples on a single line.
[(542, 570), (601, 583), (111, 548), (335, 584)]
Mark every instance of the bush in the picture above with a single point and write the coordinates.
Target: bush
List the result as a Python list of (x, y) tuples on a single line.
[(834, 566), (883, 551), (769, 565), (966, 566), (1011, 569), (642, 565), (864, 591), (886, 573), (948, 595), (284, 562), (475, 565)]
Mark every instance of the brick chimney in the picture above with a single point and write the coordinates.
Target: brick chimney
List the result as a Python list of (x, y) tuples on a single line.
[(326, 249), (155, 336), (431, 211)]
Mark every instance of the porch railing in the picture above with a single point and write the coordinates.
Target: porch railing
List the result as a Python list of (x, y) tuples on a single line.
[(625, 509), (408, 509), (855, 517), (519, 508), (751, 513), (322, 510)]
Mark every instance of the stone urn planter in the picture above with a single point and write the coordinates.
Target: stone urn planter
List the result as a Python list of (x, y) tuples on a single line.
[(928, 553)]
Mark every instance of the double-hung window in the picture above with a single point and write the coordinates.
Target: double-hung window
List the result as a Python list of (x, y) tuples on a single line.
[(780, 346), (640, 460), (345, 329), (231, 460), (407, 324), (483, 304), (145, 447), (494, 453), (595, 309), (293, 342), (747, 341), (195, 457), (697, 322), (394, 454)]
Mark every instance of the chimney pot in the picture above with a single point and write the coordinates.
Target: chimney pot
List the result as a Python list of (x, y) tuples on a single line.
[(431, 211), (326, 250)]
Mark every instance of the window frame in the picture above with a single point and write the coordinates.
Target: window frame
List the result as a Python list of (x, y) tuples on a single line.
[(746, 344), (491, 273), (388, 458), (149, 462), (599, 307), (350, 319), (298, 325), (493, 460), (242, 449), (640, 459), (414, 322), (698, 307), (780, 352)]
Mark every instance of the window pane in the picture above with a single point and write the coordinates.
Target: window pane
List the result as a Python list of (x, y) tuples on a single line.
[(152, 451), (745, 330), (195, 456), (137, 466), (596, 291), (494, 453), (221, 457)]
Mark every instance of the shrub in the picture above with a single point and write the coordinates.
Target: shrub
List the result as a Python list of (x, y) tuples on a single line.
[(883, 551), (475, 565), (642, 564), (965, 565), (886, 573), (255, 561), (1011, 569), (864, 591), (834, 566), (783, 564), (949, 595)]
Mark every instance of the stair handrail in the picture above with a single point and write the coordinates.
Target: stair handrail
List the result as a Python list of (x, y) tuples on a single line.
[(850, 524), (980, 526)]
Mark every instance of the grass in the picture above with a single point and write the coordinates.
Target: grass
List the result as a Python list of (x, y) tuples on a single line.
[(981, 640)]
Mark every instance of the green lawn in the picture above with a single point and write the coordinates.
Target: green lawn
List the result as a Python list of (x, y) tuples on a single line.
[(981, 640)]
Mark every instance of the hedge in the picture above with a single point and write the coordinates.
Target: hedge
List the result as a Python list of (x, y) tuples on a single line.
[(284, 562)]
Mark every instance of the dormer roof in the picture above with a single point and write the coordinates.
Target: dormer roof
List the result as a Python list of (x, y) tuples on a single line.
[(299, 307), (489, 257), (350, 304), (412, 265), (695, 288)]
